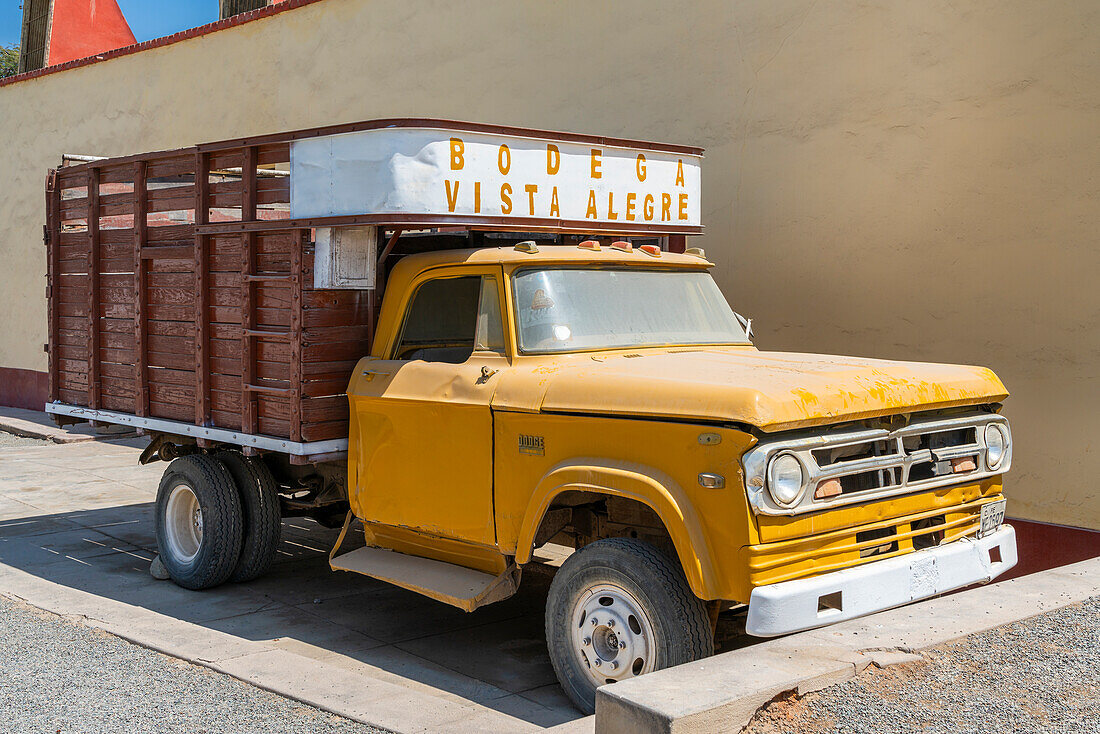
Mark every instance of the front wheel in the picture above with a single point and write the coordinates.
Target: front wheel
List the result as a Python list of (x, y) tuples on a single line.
[(619, 608)]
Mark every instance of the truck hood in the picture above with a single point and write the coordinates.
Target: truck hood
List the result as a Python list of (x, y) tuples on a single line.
[(773, 391)]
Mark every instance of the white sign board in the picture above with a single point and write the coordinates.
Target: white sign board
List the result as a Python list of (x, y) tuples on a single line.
[(457, 174)]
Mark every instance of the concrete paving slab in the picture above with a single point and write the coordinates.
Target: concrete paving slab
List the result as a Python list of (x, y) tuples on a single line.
[(38, 424), (720, 694), (344, 643)]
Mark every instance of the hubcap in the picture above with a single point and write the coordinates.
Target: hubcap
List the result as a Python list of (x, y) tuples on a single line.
[(183, 523), (611, 635)]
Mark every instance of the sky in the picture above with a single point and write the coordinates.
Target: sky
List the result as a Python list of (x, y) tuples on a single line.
[(147, 18)]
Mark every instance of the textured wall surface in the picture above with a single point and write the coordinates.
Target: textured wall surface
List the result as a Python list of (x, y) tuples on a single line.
[(902, 180)]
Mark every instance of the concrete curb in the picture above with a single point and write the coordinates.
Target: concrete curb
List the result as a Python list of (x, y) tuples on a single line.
[(35, 424), (723, 693), (368, 699)]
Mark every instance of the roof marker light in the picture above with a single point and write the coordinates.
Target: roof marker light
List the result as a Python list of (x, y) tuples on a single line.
[(527, 246), (590, 245), (651, 250), (696, 251), (622, 246)]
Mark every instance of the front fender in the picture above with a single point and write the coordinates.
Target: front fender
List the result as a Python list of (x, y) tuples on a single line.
[(639, 482)]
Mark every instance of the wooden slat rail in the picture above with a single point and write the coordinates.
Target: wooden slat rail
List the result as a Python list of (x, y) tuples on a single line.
[(296, 334), (94, 355), (202, 292), (53, 285), (141, 350)]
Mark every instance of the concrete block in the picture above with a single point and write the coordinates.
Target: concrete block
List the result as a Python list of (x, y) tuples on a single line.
[(722, 693)]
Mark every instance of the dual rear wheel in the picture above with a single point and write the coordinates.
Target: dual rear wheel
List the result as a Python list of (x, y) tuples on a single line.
[(217, 519)]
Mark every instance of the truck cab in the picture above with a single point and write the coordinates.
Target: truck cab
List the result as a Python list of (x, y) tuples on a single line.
[(608, 399)]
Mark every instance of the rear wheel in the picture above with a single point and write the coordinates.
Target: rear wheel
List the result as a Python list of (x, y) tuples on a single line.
[(262, 521), (199, 522), (619, 608)]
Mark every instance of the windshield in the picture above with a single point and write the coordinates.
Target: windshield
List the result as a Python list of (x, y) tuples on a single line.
[(567, 310)]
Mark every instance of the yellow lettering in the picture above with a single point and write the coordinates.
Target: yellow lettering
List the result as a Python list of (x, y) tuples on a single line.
[(505, 199), (477, 197), (647, 207), (611, 213), (683, 206), (531, 190), (631, 198), (680, 172), (504, 159), (457, 149), (641, 167), (591, 213), (666, 206), (452, 196), (554, 210), (553, 159), (596, 153)]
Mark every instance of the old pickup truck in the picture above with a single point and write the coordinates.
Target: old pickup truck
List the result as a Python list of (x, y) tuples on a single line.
[(472, 341)]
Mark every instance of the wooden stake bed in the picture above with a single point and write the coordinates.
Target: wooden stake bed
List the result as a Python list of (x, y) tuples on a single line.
[(156, 312), (181, 285)]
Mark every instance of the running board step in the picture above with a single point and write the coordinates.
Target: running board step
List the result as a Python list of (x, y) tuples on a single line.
[(458, 586)]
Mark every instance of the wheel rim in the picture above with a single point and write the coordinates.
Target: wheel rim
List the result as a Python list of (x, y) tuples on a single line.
[(183, 523), (611, 634)]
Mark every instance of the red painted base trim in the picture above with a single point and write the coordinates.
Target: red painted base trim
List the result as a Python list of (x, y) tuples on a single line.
[(1041, 546), (23, 388)]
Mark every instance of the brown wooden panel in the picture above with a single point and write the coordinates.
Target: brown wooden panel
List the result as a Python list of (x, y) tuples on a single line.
[(170, 376), (335, 351), (73, 380), (272, 154), (329, 370), (121, 404), (325, 431), (182, 164), (119, 388), (319, 410), (172, 411), (175, 199), (313, 388), (172, 361)]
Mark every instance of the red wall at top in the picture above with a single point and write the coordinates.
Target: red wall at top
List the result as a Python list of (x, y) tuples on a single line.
[(83, 28)]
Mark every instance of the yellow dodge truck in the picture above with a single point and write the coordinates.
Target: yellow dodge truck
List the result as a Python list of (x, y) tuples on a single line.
[(582, 386)]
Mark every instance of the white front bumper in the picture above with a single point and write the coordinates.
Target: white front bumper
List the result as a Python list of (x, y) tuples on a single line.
[(793, 606)]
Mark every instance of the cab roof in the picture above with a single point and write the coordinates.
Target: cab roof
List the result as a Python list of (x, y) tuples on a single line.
[(409, 265)]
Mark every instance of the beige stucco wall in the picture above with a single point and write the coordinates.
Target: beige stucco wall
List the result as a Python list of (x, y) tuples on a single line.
[(905, 180)]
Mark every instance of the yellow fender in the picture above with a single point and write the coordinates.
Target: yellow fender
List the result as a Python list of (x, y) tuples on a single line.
[(647, 485)]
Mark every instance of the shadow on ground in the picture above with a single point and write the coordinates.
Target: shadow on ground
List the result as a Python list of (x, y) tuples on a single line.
[(98, 537)]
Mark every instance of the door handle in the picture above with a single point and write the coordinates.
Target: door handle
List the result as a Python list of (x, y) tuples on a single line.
[(371, 374)]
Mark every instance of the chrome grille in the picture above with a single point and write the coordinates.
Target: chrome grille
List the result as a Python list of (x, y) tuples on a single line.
[(875, 463)]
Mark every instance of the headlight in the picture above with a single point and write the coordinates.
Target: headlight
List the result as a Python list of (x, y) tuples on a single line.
[(996, 445), (785, 479)]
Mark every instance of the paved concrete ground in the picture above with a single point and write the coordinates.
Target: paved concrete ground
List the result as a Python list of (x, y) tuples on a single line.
[(76, 536), (1037, 675), (132, 689)]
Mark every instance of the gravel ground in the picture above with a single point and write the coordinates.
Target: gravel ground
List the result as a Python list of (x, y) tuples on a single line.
[(1038, 675), (60, 677), (10, 439)]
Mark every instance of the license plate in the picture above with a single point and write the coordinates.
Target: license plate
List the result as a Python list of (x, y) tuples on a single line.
[(993, 514)]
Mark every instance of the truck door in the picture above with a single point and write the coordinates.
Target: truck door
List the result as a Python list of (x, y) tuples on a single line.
[(421, 428)]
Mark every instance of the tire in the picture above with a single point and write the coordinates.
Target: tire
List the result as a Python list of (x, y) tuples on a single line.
[(262, 518), (625, 604), (203, 552)]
